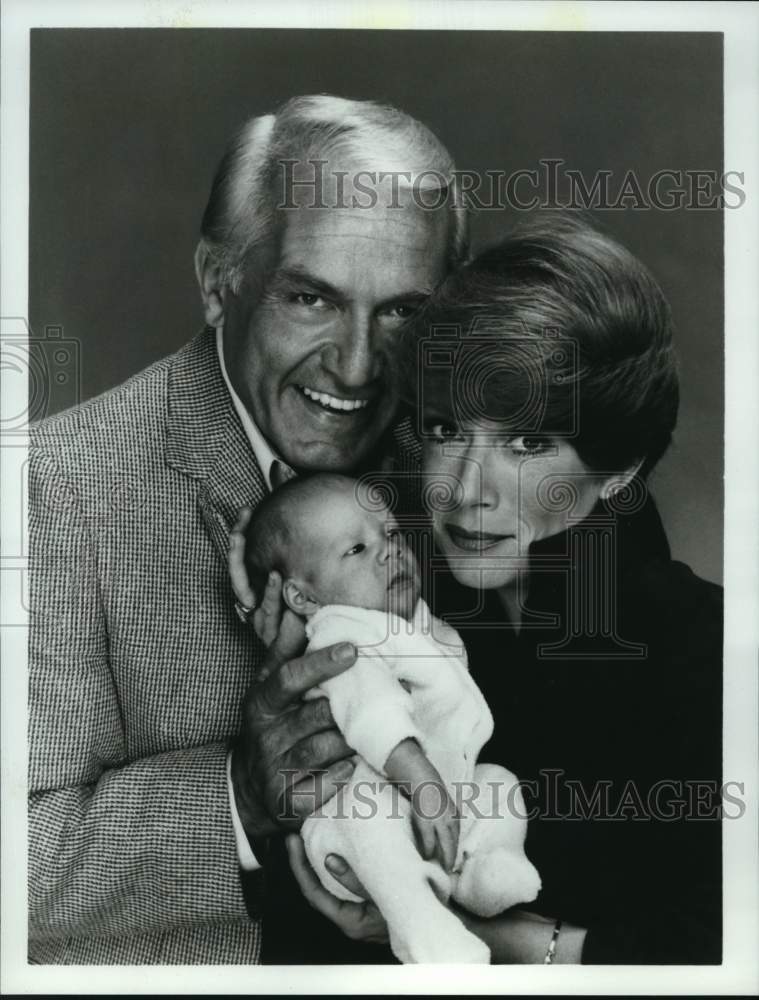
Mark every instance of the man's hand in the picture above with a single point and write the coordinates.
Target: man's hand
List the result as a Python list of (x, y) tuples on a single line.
[(238, 574), (284, 740), (267, 616), (358, 921)]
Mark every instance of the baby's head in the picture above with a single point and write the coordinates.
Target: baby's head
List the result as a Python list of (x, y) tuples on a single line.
[(329, 548)]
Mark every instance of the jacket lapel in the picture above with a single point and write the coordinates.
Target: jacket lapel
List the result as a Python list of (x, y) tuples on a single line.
[(205, 439), (234, 482)]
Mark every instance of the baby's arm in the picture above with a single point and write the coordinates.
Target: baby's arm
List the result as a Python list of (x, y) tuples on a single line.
[(370, 707), (375, 713), (432, 811)]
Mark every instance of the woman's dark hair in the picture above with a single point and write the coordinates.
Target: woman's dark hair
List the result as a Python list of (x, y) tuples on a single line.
[(556, 330)]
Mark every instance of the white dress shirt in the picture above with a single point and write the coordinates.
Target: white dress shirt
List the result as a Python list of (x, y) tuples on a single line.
[(261, 448)]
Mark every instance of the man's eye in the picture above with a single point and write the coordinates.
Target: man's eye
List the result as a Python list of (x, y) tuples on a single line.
[(529, 444), (443, 432), (355, 550), (310, 300)]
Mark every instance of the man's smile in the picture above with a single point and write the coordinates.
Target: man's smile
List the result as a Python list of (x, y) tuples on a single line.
[(335, 404), (334, 414)]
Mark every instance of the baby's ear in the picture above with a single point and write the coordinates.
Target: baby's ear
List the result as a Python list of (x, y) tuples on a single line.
[(295, 597)]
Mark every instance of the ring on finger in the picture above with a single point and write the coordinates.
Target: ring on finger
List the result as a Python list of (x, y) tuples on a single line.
[(243, 612)]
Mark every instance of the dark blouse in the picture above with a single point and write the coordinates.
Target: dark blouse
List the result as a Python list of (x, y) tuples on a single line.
[(616, 737), (607, 706)]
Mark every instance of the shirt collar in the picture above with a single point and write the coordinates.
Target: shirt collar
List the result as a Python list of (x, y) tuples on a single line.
[(262, 451)]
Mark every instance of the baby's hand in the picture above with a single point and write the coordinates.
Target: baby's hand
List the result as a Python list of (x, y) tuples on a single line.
[(436, 823), (433, 814)]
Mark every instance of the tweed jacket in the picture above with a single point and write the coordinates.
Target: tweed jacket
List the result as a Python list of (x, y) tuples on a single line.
[(137, 667)]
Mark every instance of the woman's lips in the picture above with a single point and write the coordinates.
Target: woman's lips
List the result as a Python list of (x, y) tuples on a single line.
[(473, 541)]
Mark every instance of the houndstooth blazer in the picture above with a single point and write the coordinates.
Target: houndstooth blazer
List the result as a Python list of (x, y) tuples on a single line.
[(137, 668)]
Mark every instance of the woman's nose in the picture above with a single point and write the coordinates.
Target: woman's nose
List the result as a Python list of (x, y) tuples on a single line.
[(477, 485)]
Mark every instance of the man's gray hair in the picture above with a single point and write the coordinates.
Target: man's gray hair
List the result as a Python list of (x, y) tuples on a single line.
[(241, 209)]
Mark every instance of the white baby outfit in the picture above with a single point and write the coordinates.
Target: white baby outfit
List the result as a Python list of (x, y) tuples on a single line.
[(411, 680)]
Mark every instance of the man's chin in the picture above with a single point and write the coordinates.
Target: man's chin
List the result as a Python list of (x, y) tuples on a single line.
[(311, 440), (322, 456)]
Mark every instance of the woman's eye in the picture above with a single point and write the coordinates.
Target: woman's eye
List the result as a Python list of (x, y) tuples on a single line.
[(398, 313), (529, 444), (356, 549), (403, 310)]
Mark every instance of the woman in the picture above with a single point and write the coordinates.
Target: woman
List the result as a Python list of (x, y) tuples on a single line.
[(547, 392)]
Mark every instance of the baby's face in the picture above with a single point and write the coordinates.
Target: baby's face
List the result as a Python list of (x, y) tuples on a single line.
[(348, 555)]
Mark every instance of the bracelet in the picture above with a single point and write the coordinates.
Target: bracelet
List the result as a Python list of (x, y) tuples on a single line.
[(552, 946)]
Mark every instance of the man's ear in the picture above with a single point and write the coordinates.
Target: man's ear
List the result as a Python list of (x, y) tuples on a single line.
[(613, 484), (212, 289), (297, 600)]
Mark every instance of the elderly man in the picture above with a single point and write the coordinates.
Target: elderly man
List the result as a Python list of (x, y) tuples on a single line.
[(322, 234)]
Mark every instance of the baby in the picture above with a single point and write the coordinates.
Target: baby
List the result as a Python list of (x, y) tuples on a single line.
[(412, 713)]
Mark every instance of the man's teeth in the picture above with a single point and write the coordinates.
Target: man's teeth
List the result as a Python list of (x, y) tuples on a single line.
[(332, 402)]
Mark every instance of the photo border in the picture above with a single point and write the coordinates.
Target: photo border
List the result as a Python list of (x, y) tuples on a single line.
[(739, 24)]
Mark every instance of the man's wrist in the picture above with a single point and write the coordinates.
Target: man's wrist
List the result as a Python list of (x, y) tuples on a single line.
[(257, 825), (260, 844)]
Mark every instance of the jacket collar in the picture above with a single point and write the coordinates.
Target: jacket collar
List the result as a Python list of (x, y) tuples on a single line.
[(206, 441), (199, 408)]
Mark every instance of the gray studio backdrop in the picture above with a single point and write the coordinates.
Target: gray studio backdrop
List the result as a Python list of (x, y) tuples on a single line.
[(127, 127)]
